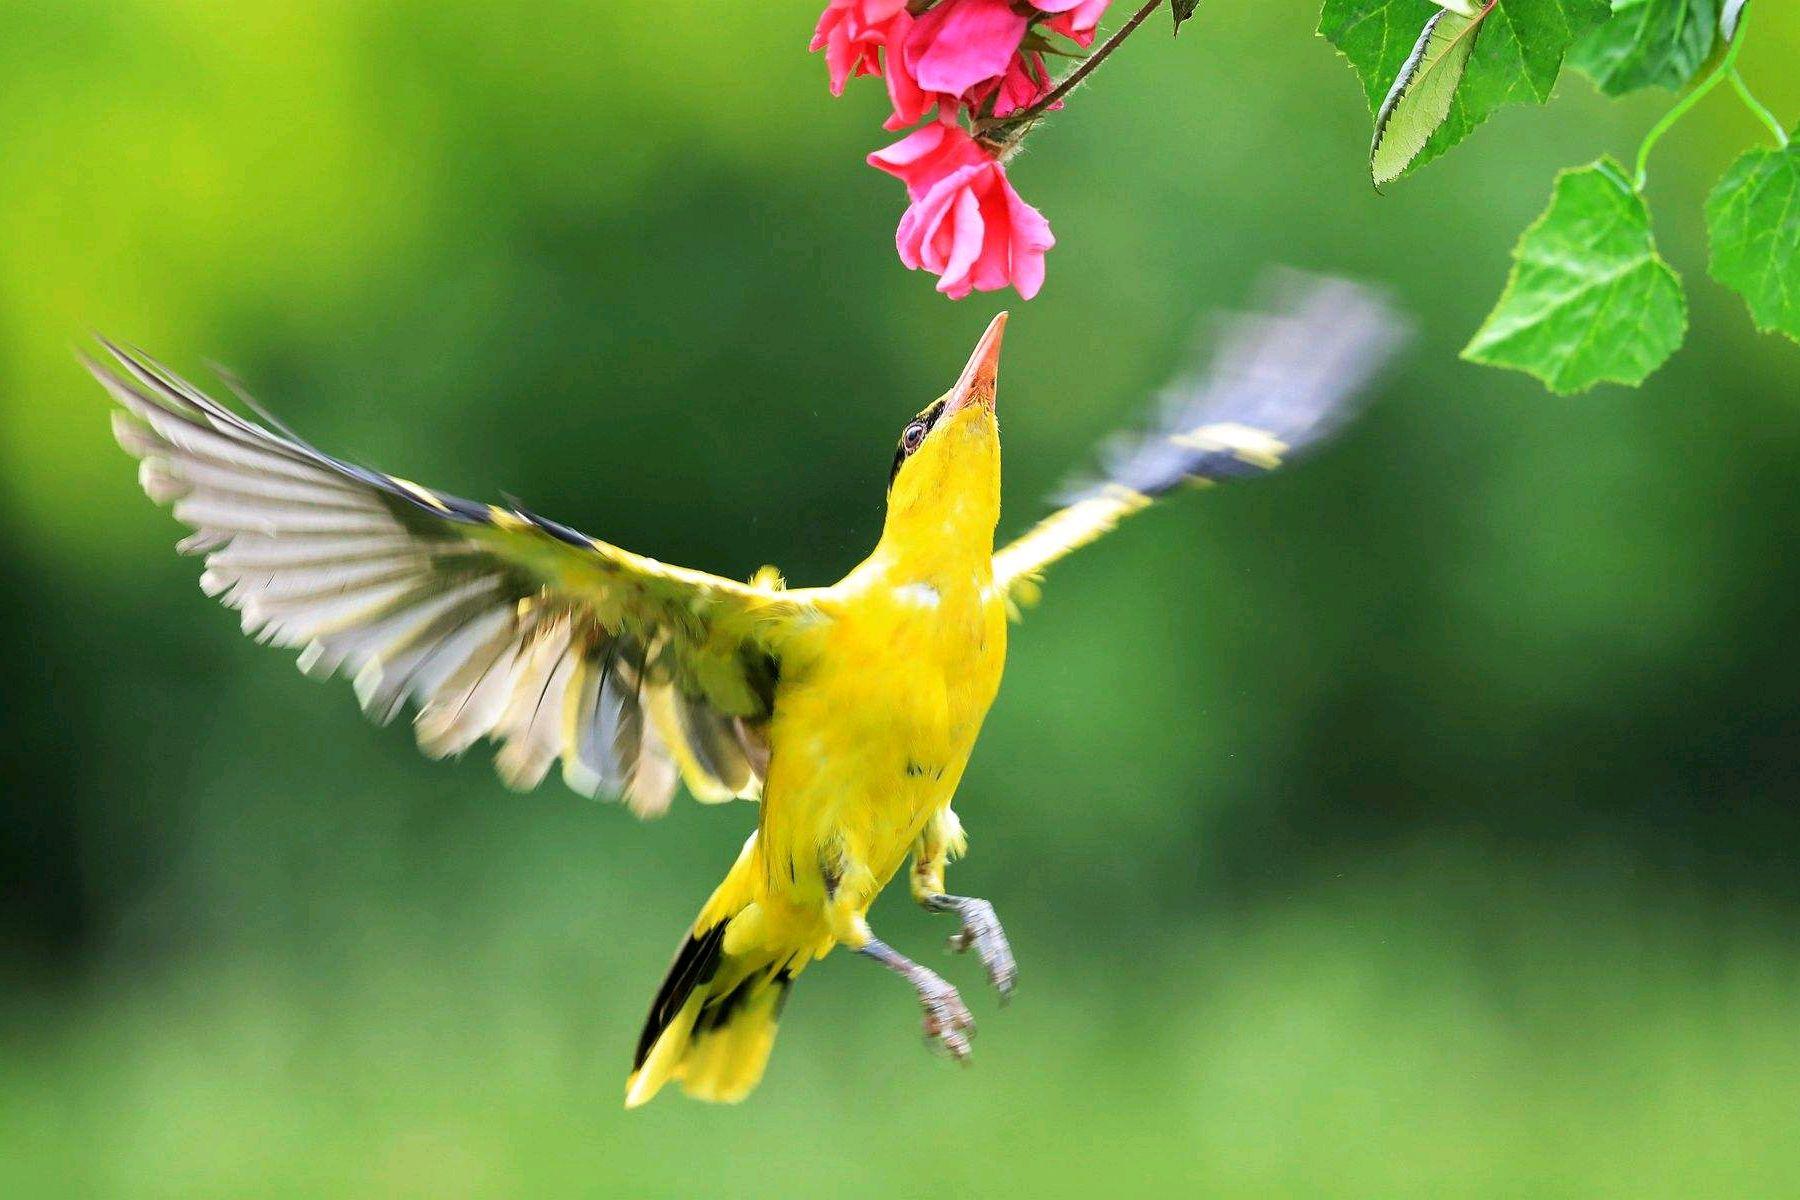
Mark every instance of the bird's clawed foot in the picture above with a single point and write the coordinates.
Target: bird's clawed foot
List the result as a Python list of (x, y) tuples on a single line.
[(982, 933), (947, 1019)]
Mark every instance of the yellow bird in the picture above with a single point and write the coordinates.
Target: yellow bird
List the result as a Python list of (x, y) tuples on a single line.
[(849, 711)]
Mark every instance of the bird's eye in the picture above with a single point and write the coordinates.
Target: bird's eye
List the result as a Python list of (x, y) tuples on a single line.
[(914, 436)]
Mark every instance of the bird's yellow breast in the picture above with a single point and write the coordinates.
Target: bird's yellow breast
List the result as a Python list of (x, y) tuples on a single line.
[(870, 739)]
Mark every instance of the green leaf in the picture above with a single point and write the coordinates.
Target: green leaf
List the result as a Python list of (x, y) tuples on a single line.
[(1589, 299), (1183, 9), (1516, 60), (1753, 223), (1647, 43), (1420, 98), (1037, 43)]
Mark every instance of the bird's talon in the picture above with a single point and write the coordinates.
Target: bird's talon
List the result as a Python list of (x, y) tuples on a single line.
[(1004, 984), (981, 931), (948, 1022)]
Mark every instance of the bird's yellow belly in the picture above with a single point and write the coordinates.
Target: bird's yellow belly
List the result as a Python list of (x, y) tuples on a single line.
[(870, 744)]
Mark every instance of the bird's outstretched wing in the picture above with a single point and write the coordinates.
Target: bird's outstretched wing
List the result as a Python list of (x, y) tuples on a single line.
[(493, 622), (1275, 384)]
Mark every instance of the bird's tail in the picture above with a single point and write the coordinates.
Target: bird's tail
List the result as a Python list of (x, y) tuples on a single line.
[(712, 1024)]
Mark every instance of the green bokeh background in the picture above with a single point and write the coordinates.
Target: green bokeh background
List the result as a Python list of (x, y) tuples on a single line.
[(1421, 822)]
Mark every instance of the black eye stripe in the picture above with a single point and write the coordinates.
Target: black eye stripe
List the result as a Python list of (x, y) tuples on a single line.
[(913, 436)]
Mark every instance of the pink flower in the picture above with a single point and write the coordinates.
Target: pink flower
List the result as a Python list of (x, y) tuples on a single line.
[(911, 102), (966, 224), (926, 155), (1074, 19), (1026, 82), (961, 44), (851, 32)]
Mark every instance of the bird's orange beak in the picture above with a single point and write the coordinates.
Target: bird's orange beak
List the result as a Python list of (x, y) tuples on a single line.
[(981, 378)]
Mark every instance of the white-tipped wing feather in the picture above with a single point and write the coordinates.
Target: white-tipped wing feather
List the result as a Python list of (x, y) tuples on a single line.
[(491, 622)]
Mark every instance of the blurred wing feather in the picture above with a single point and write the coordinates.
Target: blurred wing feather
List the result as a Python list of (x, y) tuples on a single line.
[(1277, 384), (490, 622)]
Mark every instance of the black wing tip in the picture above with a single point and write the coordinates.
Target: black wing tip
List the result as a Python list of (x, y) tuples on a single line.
[(150, 380), (238, 389), (92, 365), (152, 383), (556, 529), (113, 348), (121, 376), (97, 364), (139, 362)]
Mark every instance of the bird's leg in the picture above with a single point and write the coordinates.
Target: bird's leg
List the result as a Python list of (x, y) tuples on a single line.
[(981, 931), (947, 1019), (942, 839)]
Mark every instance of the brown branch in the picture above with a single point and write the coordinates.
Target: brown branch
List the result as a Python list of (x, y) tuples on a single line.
[(1022, 121)]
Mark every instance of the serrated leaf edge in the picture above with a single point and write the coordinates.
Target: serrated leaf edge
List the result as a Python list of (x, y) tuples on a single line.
[(1409, 75), (1714, 198), (1615, 174)]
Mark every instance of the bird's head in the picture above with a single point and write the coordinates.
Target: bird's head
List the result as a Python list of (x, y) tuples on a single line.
[(945, 485)]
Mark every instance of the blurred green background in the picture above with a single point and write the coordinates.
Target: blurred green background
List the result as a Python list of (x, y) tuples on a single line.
[(1421, 822)]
